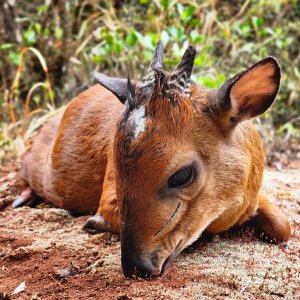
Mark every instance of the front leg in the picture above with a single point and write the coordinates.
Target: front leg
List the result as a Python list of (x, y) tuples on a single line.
[(98, 223), (107, 217)]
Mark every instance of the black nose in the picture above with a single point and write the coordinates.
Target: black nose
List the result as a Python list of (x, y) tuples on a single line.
[(135, 264)]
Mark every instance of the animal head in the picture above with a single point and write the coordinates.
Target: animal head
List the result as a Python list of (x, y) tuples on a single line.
[(171, 155)]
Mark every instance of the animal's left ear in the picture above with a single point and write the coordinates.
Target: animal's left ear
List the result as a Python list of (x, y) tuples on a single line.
[(249, 93), (118, 86)]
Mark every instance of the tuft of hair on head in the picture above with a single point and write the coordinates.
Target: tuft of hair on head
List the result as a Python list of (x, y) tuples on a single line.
[(130, 95), (156, 81)]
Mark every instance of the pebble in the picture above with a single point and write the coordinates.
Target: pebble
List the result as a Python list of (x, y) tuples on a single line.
[(67, 272)]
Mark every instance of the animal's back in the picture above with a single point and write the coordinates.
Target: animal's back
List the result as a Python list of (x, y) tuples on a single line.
[(67, 161)]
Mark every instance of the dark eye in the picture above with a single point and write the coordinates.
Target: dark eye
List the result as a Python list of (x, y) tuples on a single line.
[(181, 178)]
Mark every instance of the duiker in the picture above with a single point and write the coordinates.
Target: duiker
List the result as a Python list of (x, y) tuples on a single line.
[(165, 163)]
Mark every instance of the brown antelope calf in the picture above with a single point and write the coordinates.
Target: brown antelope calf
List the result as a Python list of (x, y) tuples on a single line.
[(166, 162)]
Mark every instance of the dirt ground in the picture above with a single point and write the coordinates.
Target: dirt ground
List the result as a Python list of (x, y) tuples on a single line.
[(46, 255)]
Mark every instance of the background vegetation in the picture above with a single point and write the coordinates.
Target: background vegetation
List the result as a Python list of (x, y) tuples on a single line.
[(50, 48)]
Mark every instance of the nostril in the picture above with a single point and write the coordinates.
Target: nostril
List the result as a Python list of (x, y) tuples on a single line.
[(147, 270)]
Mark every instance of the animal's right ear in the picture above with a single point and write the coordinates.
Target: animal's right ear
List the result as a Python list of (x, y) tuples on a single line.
[(118, 86)]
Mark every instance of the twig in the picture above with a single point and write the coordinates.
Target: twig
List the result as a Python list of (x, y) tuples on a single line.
[(246, 285), (227, 262), (241, 11), (265, 277), (55, 280)]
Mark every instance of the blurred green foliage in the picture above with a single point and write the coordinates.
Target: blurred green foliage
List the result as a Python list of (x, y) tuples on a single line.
[(118, 37)]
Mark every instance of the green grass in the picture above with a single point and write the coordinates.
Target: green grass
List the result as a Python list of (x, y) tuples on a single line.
[(48, 52)]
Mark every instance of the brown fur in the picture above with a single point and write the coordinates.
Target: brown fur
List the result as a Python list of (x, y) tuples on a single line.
[(71, 156), (86, 160)]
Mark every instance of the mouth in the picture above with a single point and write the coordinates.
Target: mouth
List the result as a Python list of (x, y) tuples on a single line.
[(166, 264), (148, 266)]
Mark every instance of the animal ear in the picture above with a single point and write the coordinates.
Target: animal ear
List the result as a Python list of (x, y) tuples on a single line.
[(251, 92), (118, 86)]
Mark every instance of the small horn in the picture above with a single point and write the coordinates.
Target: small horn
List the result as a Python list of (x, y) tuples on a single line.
[(156, 64), (182, 74)]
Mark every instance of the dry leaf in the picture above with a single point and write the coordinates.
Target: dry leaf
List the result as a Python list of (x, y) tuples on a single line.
[(20, 288)]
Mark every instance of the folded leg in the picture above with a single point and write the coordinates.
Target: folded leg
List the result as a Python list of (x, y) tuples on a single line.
[(27, 198), (272, 221), (107, 217)]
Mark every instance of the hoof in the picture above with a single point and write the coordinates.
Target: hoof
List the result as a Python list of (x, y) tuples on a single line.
[(97, 223), (27, 198)]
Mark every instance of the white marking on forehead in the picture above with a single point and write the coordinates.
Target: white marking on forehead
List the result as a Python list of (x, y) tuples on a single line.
[(137, 119)]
